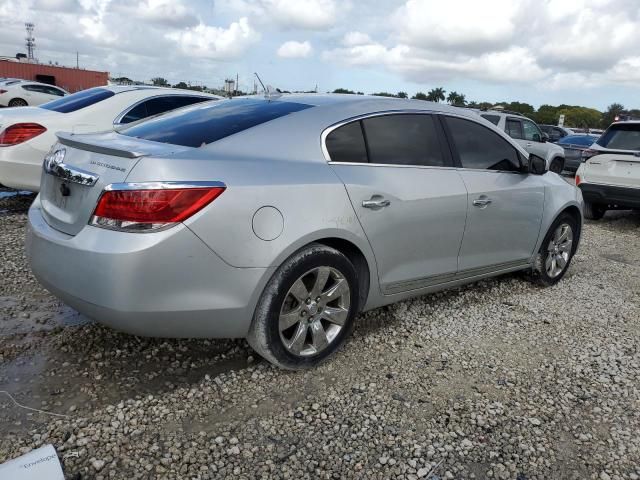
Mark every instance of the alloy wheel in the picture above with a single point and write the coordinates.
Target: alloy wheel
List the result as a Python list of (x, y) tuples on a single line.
[(314, 311), (559, 250)]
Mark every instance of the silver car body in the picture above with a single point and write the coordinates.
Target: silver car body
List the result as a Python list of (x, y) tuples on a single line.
[(203, 277)]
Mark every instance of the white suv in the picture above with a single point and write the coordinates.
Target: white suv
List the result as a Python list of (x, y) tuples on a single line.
[(528, 135), (609, 176)]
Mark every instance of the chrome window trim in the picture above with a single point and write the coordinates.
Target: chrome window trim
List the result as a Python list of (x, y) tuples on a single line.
[(119, 117), (331, 128), (161, 185)]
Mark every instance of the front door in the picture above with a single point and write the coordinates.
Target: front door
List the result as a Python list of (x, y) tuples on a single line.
[(409, 199), (505, 205)]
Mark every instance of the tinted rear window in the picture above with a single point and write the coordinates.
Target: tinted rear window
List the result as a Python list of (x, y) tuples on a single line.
[(204, 124), (346, 144), (584, 140), (403, 140), (621, 137), (79, 100)]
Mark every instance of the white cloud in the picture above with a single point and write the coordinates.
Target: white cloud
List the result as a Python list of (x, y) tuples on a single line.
[(216, 42), (293, 49), (353, 39), (289, 14)]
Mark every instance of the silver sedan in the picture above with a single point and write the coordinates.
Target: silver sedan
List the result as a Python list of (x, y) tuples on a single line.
[(278, 220)]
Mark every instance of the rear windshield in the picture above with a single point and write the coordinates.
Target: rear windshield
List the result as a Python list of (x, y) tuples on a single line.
[(206, 123), (79, 100), (621, 137)]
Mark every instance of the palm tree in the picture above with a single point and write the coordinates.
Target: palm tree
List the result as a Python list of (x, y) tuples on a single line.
[(457, 99), (436, 94)]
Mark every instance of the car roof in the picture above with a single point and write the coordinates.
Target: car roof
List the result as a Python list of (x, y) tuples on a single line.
[(165, 90)]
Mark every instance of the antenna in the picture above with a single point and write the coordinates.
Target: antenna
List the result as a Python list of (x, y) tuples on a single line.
[(263, 87), (31, 41)]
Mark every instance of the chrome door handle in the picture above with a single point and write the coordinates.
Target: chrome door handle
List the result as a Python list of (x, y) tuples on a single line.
[(376, 202), (481, 202)]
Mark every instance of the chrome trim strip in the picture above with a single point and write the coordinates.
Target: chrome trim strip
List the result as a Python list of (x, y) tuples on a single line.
[(389, 165), (70, 174), (161, 185), (405, 286)]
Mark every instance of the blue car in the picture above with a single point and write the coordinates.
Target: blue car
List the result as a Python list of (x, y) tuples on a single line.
[(573, 146)]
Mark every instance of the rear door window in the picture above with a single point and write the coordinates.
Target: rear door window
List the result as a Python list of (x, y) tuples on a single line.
[(514, 128), (204, 124), (77, 101), (346, 144), (480, 148), (159, 105), (621, 136), (403, 140)]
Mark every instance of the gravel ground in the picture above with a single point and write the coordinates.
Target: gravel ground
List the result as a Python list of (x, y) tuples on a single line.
[(499, 379)]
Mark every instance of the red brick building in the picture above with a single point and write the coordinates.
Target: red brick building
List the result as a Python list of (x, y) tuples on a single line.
[(71, 79)]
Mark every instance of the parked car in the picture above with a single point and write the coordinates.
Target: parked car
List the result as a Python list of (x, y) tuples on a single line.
[(610, 175), (555, 132), (22, 93), (528, 135), (279, 220), (573, 146), (27, 134)]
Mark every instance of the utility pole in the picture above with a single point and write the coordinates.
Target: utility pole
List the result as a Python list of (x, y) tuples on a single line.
[(77, 60), (237, 85)]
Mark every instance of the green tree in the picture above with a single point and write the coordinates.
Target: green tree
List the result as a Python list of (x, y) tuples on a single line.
[(420, 96), (457, 99), (609, 116), (181, 85), (343, 90), (402, 95), (383, 94), (160, 82), (436, 94)]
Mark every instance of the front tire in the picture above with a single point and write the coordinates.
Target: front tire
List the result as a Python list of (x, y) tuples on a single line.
[(556, 252), (593, 211), (556, 166), (18, 102), (307, 309)]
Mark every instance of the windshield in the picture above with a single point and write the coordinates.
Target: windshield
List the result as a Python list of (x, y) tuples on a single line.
[(621, 136), (77, 101), (206, 123)]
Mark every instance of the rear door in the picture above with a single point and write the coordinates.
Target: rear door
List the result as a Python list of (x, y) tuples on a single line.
[(619, 160), (504, 205), (409, 200)]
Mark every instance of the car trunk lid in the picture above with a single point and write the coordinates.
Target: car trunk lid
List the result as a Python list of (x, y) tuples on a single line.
[(73, 181)]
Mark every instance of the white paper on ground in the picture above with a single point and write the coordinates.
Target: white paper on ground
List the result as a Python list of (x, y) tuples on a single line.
[(39, 464)]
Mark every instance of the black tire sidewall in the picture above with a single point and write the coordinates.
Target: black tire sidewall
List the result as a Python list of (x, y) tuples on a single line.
[(594, 211), (542, 272), (557, 161), (279, 285)]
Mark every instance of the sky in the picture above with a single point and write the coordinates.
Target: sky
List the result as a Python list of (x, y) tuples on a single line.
[(581, 52)]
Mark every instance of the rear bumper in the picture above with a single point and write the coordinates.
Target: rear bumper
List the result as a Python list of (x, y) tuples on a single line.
[(623, 197), (165, 284)]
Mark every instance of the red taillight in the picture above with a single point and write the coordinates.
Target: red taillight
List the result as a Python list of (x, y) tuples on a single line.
[(3, 91), (578, 180), (19, 133), (151, 209)]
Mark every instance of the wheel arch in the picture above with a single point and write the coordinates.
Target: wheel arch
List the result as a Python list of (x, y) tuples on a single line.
[(574, 212), (359, 261)]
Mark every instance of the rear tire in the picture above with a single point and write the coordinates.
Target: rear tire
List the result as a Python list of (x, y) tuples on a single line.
[(594, 211), (307, 309), (18, 102), (556, 166), (556, 252)]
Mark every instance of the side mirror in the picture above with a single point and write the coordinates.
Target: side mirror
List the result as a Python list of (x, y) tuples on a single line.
[(545, 137), (537, 165)]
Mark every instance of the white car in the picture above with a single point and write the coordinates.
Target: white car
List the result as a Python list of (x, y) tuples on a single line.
[(27, 134), (609, 176), (23, 93)]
